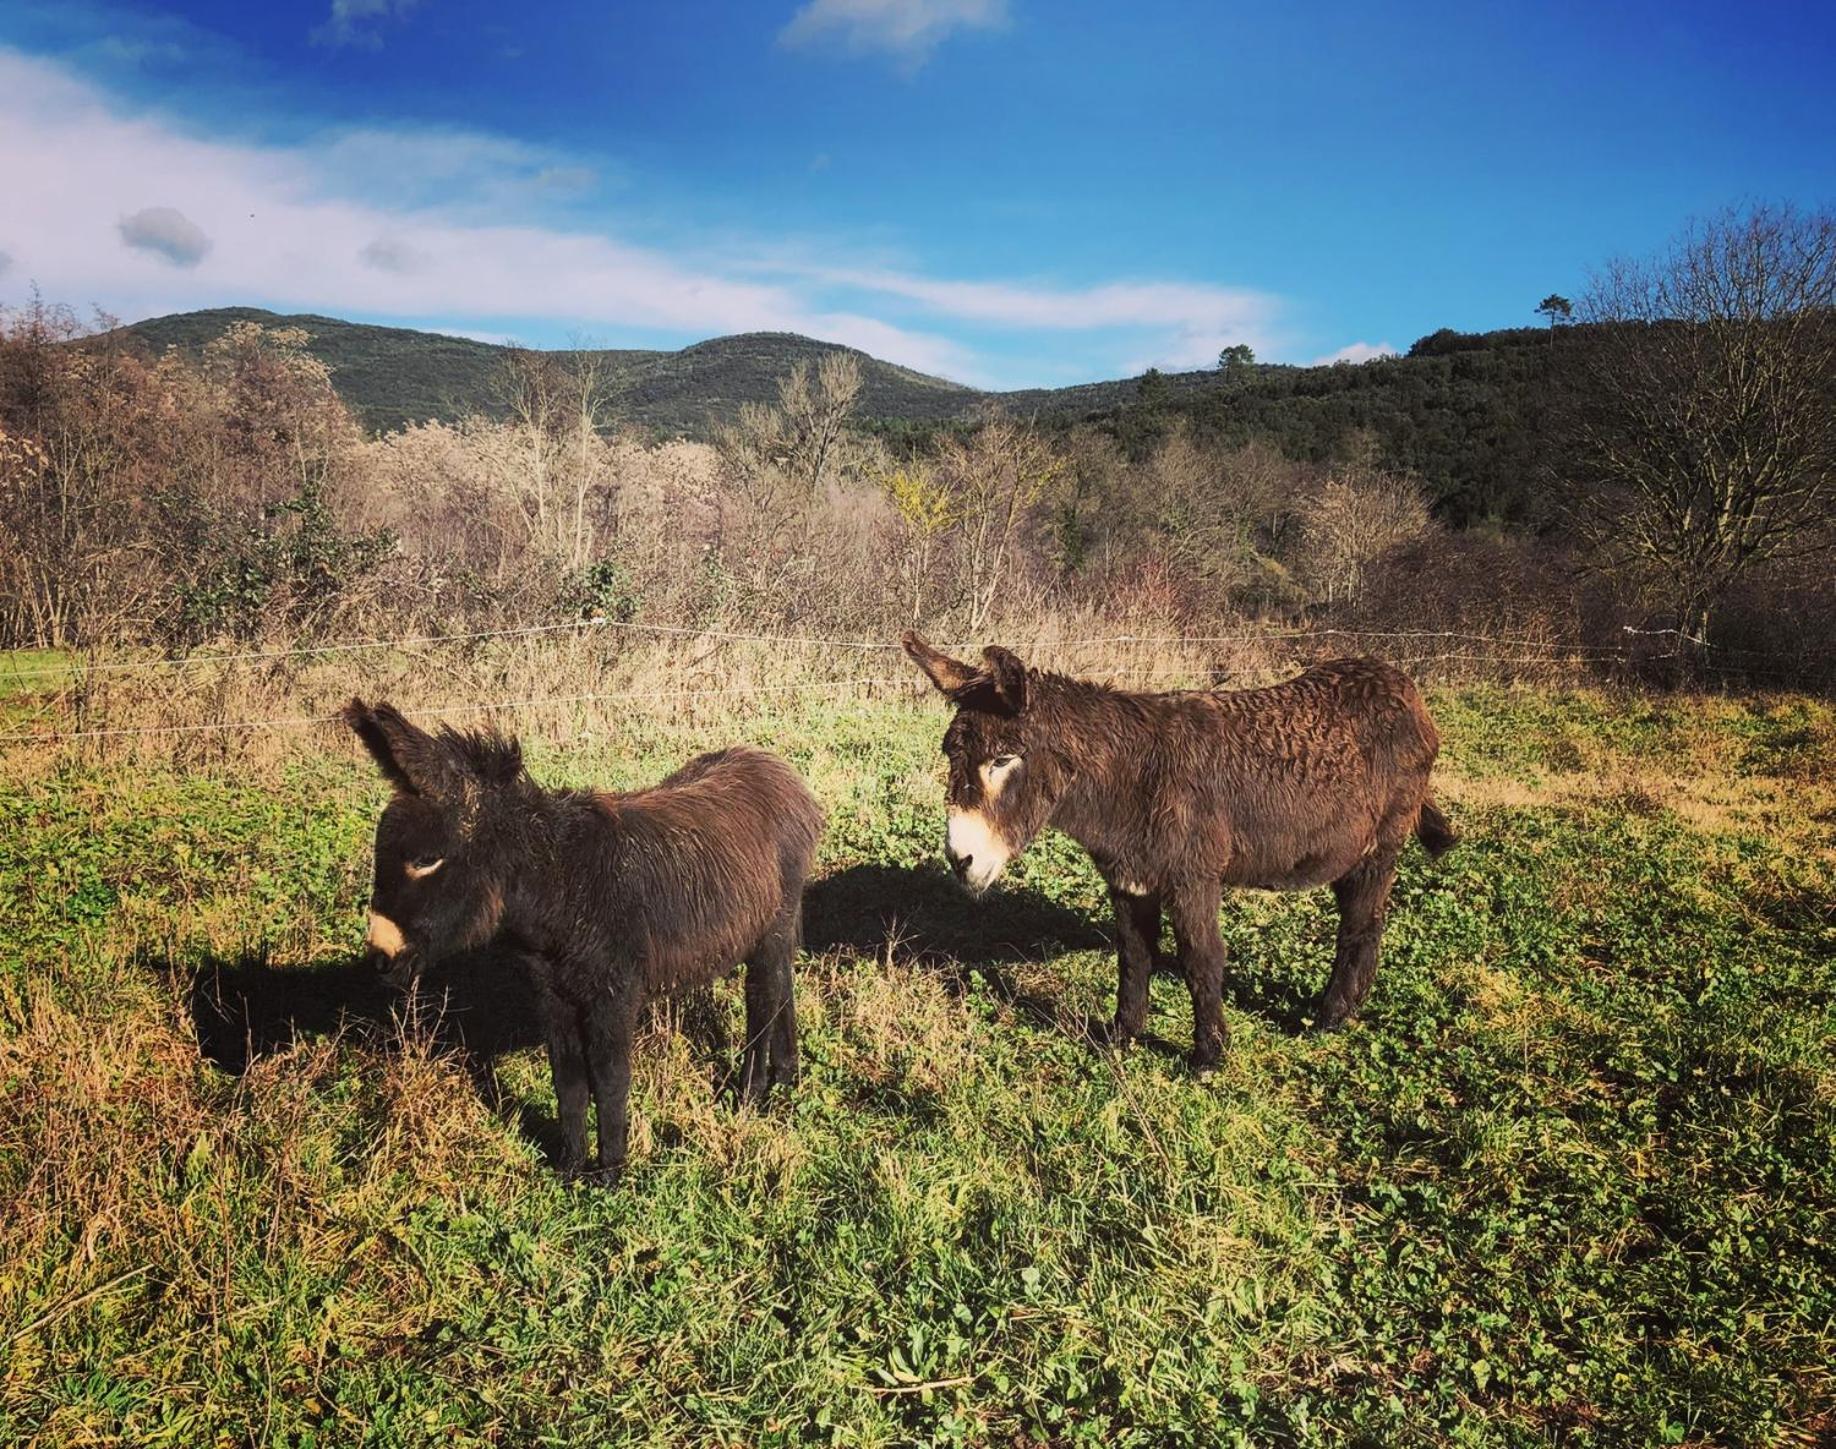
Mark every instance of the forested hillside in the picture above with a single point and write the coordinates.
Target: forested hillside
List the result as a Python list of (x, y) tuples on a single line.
[(392, 376), (1463, 413)]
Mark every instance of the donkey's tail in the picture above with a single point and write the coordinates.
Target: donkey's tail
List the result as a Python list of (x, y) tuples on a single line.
[(1432, 829)]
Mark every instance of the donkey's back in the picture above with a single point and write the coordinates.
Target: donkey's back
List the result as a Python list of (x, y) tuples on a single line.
[(1302, 779), (712, 858)]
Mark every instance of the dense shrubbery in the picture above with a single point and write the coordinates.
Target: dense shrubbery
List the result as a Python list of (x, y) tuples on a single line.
[(176, 503)]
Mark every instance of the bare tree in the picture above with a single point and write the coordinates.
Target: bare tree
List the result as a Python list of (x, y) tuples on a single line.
[(995, 477), (816, 413), (778, 465), (531, 389), (1353, 521), (588, 379), (1704, 416), (788, 454)]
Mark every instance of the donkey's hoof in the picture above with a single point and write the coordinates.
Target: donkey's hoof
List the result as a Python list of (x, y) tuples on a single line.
[(600, 1176), (1109, 1033), (1334, 1018)]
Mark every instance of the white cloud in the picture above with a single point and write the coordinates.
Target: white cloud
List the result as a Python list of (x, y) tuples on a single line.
[(1356, 352), (352, 22), (427, 167), (166, 232), (909, 30), (141, 51)]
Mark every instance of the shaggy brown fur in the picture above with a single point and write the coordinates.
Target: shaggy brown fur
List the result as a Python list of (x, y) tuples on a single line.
[(606, 899), (1317, 781)]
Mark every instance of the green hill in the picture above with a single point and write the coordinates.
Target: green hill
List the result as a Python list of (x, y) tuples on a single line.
[(392, 376)]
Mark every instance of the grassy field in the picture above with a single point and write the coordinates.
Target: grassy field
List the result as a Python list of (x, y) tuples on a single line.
[(1572, 1180)]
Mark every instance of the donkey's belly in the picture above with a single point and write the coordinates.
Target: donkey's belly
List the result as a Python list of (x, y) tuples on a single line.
[(1315, 863)]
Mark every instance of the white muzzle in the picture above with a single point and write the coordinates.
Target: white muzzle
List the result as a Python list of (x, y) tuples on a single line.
[(977, 854)]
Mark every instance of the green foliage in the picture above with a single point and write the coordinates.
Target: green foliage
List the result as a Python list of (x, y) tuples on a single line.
[(601, 590), (280, 570), (1556, 308), (1570, 1181), (1237, 362)]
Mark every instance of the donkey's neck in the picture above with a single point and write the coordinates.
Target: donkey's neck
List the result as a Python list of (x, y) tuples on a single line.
[(1102, 740), (536, 839)]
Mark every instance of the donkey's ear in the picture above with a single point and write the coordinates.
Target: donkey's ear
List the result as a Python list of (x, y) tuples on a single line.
[(411, 759), (1007, 676), (949, 675)]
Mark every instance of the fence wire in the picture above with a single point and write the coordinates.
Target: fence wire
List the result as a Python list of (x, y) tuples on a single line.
[(1541, 653), (201, 660)]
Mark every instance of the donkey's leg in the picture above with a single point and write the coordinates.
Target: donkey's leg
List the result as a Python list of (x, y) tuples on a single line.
[(1364, 899), (770, 1058), (1137, 940), (567, 1064), (610, 1025), (784, 979), (1194, 909), (761, 1005)]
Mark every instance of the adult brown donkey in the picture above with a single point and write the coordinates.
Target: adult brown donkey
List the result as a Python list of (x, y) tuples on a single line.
[(1317, 781), (606, 899)]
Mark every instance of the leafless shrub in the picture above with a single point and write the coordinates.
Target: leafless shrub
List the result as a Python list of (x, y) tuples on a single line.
[(1352, 522), (994, 478), (200, 506)]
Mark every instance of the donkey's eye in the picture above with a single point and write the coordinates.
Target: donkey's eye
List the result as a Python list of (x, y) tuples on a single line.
[(424, 866), (1001, 762)]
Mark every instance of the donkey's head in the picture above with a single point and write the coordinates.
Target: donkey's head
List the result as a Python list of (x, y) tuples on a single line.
[(1003, 785), (442, 867)]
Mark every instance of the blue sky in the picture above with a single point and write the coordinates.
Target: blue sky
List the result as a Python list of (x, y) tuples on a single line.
[(1008, 192)]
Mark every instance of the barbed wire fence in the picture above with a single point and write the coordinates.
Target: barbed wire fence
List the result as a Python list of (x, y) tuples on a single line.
[(1417, 649)]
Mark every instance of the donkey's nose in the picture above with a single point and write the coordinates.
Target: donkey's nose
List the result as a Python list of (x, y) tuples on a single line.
[(960, 864)]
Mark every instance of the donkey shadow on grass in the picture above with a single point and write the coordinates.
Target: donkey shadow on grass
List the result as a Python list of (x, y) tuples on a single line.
[(480, 1005), (477, 1006), (921, 916)]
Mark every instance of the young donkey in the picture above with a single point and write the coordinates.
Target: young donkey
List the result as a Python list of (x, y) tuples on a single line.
[(606, 899), (1319, 780)]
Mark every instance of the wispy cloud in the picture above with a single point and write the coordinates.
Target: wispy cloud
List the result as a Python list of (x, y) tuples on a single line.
[(484, 176), (140, 50), (166, 232), (1188, 323), (908, 30), (282, 232), (458, 230), (392, 254), (357, 22), (1356, 352)]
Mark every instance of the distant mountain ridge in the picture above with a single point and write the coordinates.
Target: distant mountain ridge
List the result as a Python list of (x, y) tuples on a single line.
[(1463, 412), (393, 376)]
